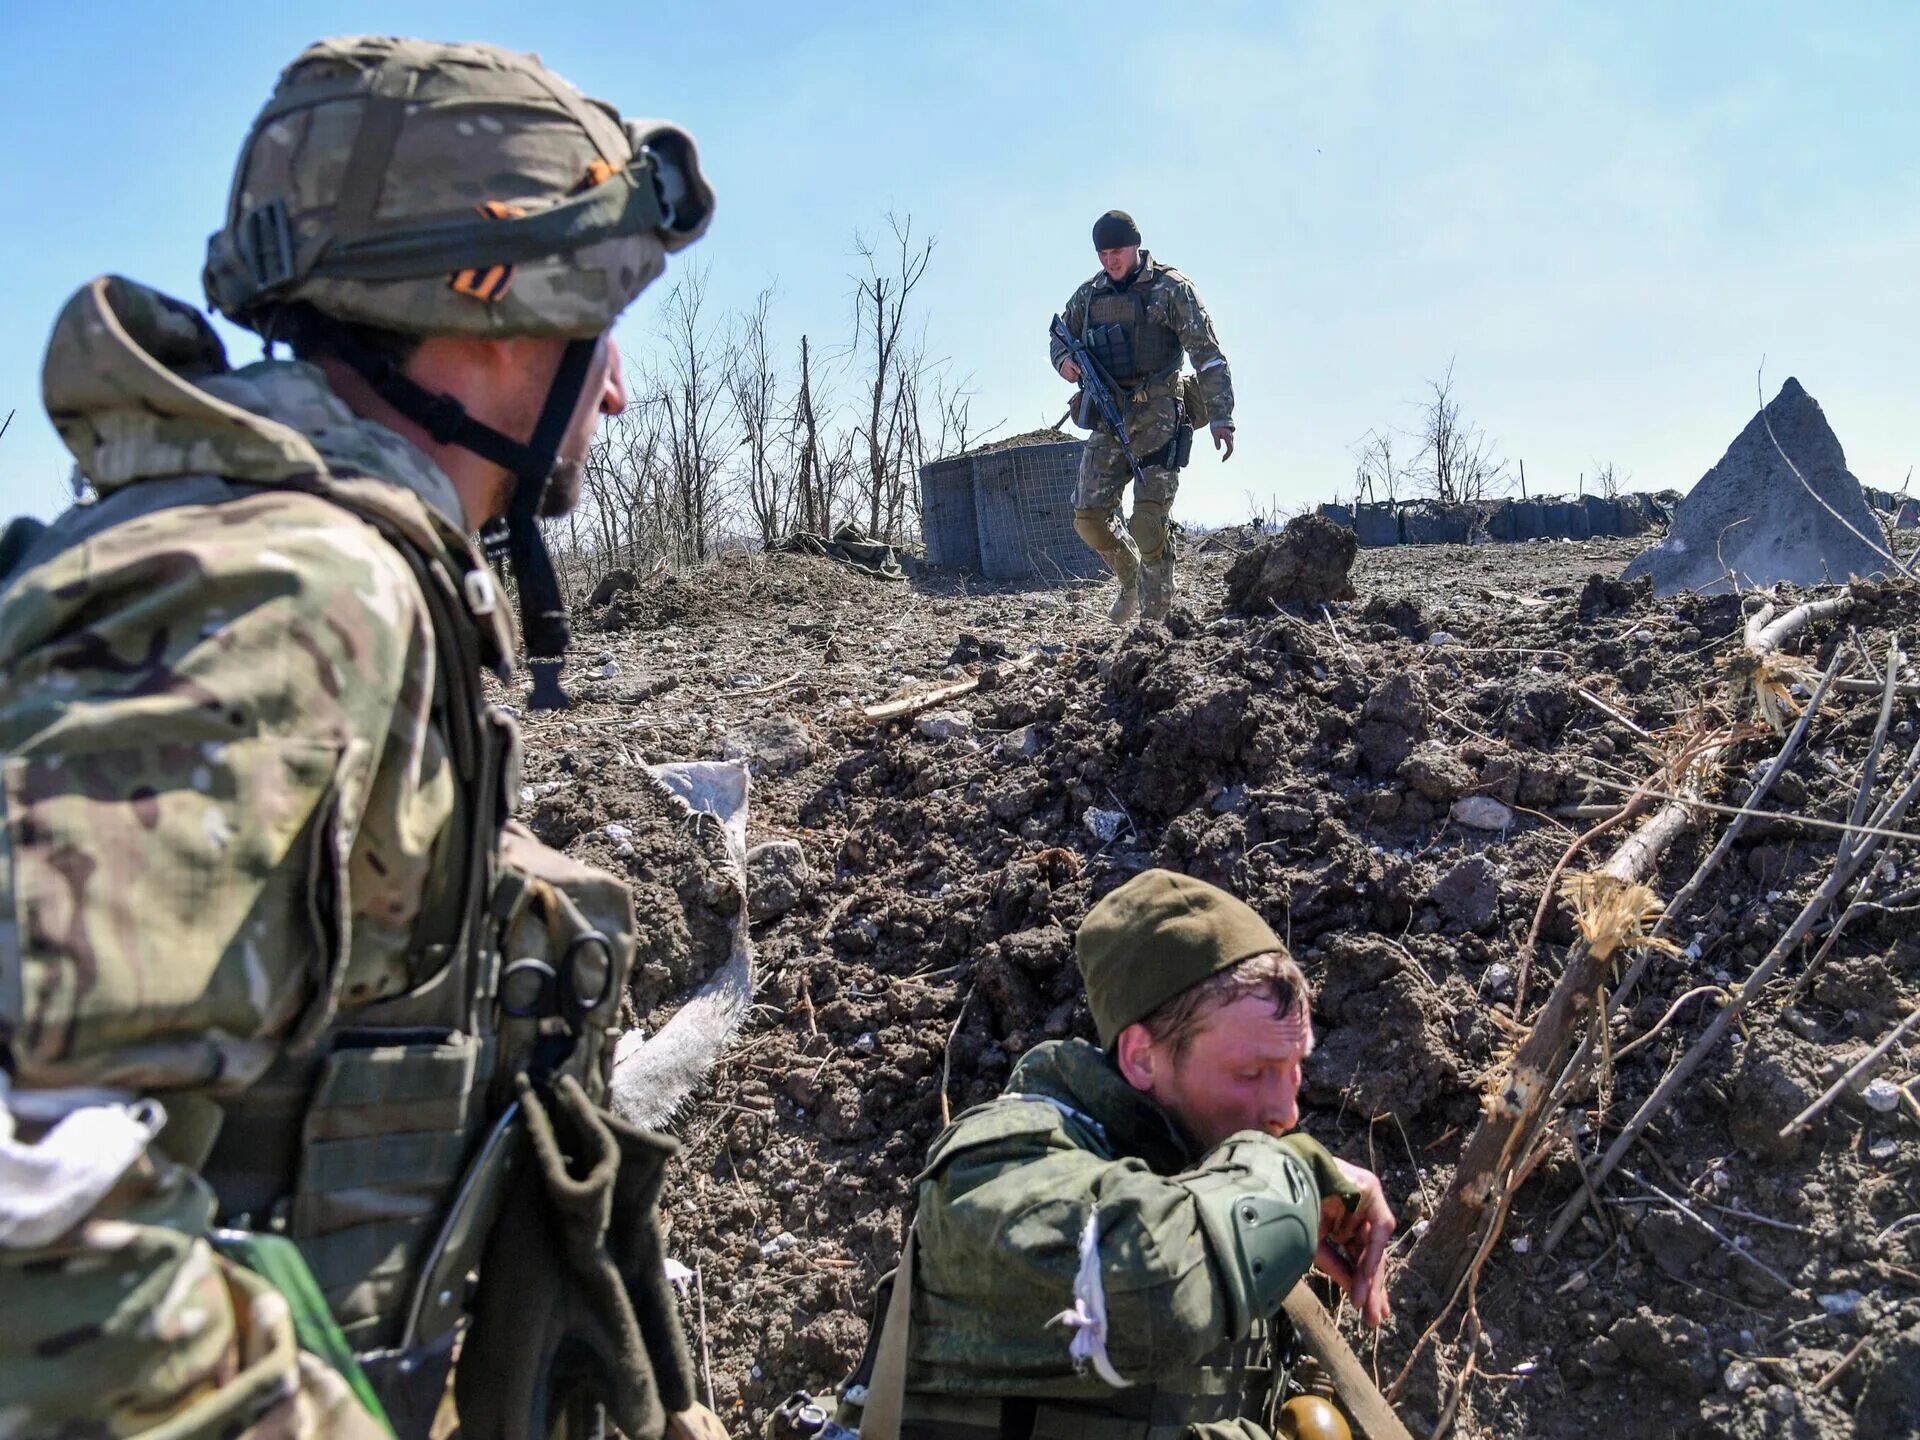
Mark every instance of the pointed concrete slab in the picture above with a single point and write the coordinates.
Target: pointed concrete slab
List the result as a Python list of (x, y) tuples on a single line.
[(1750, 517)]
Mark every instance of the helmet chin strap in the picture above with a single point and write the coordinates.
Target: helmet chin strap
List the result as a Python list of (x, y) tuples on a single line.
[(515, 536)]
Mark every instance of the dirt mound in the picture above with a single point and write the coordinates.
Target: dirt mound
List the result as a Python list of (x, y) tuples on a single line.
[(1021, 441), (732, 587), (1305, 564), (1313, 768)]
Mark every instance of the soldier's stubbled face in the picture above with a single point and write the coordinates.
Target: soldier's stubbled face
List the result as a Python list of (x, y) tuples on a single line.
[(605, 393), (1240, 1072), (1119, 261)]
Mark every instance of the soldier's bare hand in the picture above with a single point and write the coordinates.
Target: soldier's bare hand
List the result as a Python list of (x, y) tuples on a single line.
[(1070, 372), (1353, 1244), (696, 1422), (1223, 440)]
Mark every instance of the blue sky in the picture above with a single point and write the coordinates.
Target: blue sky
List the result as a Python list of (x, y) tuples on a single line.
[(1603, 214)]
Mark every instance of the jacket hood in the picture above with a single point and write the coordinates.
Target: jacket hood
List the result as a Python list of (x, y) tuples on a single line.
[(138, 386)]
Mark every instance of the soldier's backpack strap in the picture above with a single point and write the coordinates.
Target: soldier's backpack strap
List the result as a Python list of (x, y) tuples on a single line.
[(887, 1389)]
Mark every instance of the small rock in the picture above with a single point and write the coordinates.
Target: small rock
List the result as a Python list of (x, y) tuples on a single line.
[(944, 725), (777, 878), (1779, 1399), (1481, 812), (1498, 980), (1103, 825), (1441, 638), (865, 1043), (1740, 1376), (608, 670), (1882, 1096), (1843, 1302), (771, 745), (1469, 894), (1883, 1149), (617, 831), (1021, 744)]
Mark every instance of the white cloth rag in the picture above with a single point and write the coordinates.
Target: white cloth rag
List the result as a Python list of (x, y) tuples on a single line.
[(48, 1188), (1088, 1317)]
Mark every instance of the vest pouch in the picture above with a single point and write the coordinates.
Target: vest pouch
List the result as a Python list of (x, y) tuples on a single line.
[(578, 922), (387, 1135), (1193, 404), (1112, 347), (574, 1316)]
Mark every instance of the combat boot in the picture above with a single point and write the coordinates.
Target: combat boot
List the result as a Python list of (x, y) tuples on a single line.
[(1156, 587), (1126, 603)]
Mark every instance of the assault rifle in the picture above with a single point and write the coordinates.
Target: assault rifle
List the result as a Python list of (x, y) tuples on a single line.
[(1097, 388)]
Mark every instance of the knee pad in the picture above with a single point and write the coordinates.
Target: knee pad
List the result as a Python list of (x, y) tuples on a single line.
[(1149, 527), (1096, 528)]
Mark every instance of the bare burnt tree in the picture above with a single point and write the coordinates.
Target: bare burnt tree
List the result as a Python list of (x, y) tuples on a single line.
[(1457, 463), (889, 367), (767, 480), (692, 383), (1608, 482), (1377, 471), (812, 484)]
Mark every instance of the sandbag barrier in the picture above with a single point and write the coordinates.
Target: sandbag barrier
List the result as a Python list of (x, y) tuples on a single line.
[(1425, 522)]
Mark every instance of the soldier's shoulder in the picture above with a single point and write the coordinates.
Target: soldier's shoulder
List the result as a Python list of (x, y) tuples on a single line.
[(225, 554), (1011, 1119), (1170, 277)]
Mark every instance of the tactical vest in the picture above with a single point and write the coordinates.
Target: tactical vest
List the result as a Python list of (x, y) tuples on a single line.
[(1130, 346), (382, 1142), (1238, 1381)]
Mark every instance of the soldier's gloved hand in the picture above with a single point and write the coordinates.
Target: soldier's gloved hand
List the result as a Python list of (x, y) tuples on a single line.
[(1223, 438), (1070, 371), (1353, 1243), (696, 1422)]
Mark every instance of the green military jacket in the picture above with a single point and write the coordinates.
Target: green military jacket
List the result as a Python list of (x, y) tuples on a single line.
[(1004, 1206), (1170, 301)]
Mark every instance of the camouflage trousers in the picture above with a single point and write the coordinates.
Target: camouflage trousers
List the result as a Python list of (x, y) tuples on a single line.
[(131, 1324), (1153, 419)]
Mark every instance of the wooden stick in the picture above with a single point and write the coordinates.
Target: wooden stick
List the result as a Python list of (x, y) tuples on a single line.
[(1336, 636), (1712, 1229), (927, 699), (1765, 634), (1828, 1380), (1605, 709), (1845, 868), (1372, 1416), (1444, 1252), (1855, 1071)]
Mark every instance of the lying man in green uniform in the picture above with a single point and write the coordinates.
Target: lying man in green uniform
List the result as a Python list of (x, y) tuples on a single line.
[(1104, 1248)]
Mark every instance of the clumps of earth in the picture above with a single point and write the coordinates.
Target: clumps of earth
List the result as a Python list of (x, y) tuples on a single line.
[(1390, 781)]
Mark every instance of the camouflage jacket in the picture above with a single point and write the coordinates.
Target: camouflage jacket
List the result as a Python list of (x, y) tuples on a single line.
[(230, 810), (1004, 1205), (1171, 301)]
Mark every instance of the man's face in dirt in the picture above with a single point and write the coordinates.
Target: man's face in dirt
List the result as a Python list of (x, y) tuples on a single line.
[(1240, 1072), (1119, 261)]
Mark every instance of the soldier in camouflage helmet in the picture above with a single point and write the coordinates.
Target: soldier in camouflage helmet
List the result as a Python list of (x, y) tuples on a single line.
[(295, 1023), (1137, 317), (1103, 1249)]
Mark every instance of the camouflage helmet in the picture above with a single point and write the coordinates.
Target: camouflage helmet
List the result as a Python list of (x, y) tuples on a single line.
[(448, 189)]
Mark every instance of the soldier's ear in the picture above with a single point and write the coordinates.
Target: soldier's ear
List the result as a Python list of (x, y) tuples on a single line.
[(1138, 1058)]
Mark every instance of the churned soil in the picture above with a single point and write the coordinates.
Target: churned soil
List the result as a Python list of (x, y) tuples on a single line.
[(1390, 780)]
